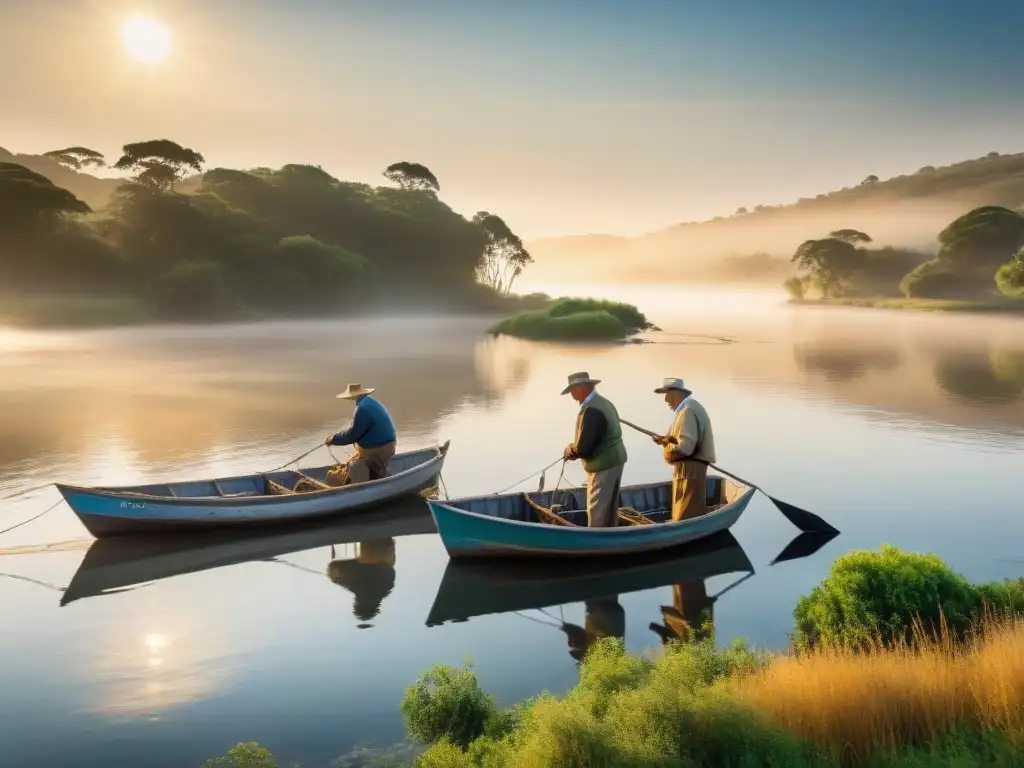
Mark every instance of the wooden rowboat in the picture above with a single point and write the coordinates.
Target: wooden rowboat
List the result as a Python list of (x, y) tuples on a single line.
[(552, 523), (116, 564), (253, 500), (470, 589)]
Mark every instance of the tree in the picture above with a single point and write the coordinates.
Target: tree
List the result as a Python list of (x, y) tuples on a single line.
[(412, 176), (504, 255), (27, 198), (76, 158), (933, 279), (851, 236), (983, 238), (830, 261), (872, 179), (1010, 277), (159, 163), (796, 287), (741, 211)]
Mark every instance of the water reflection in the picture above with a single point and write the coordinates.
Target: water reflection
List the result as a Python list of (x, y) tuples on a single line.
[(369, 576), (845, 363), (995, 376), (117, 564)]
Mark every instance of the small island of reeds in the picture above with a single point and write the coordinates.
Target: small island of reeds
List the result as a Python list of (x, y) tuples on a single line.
[(572, 319)]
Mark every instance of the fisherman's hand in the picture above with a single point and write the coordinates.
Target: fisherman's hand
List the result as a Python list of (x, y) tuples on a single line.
[(658, 439), (329, 440), (569, 454), (670, 454)]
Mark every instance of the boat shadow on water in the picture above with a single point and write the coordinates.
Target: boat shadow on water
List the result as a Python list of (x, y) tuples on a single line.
[(474, 588), (122, 563)]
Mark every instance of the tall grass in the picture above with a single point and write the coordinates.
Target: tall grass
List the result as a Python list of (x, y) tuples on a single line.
[(854, 706)]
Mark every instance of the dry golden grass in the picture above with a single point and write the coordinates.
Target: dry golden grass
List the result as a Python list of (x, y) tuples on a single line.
[(853, 705)]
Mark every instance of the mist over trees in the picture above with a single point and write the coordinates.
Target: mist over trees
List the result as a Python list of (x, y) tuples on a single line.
[(292, 240)]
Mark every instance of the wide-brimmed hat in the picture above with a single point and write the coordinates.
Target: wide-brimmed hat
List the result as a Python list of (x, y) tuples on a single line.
[(670, 384), (355, 390), (582, 377)]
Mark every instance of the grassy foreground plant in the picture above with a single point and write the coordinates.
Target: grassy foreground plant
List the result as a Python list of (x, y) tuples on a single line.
[(576, 320)]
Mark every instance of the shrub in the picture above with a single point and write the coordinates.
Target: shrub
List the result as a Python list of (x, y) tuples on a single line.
[(872, 597), (631, 317), (933, 279), (538, 324), (1010, 277), (796, 287), (446, 703)]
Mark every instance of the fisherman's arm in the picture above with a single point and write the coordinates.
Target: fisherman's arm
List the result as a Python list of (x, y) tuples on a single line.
[(688, 439), (591, 433), (361, 423)]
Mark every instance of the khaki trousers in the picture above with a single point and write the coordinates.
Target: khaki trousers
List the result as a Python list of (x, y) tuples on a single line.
[(689, 490), (603, 497), (371, 463)]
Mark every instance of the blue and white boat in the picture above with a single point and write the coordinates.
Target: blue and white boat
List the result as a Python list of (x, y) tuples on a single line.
[(525, 524), (255, 500)]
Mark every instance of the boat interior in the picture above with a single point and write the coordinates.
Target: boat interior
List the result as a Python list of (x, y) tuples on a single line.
[(281, 482), (638, 504)]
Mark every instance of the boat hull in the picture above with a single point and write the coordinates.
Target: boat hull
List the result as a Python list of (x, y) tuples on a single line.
[(107, 512), (494, 531)]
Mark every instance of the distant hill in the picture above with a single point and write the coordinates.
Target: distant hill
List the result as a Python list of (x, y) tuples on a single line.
[(907, 210)]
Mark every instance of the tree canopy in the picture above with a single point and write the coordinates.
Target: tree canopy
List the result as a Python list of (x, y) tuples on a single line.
[(412, 176), (504, 256), (158, 163), (829, 261), (984, 237), (76, 158)]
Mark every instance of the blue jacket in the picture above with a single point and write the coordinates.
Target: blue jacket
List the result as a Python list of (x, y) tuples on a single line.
[(371, 426)]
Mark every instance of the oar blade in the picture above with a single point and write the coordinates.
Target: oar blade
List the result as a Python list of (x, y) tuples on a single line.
[(803, 545), (808, 522)]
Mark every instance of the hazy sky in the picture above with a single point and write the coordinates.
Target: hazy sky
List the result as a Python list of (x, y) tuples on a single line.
[(563, 116)]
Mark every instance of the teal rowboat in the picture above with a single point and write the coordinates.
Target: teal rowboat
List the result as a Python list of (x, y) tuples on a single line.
[(510, 525)]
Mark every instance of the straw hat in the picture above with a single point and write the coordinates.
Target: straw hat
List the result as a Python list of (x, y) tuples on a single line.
[(670, 384), (579, 378), (355, 390)]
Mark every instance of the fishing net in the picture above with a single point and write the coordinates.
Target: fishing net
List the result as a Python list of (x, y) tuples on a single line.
[(337, 476)]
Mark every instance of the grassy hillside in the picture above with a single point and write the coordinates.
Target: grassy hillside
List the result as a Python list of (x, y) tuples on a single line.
[(905, 210)]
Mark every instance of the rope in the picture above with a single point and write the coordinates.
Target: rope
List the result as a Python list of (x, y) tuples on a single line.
[(25, 491), (532, 474), (26, 522)]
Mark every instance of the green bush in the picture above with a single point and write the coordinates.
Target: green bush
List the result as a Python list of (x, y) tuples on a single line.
[(796, 287), (1010, 277), (880, 596), (631, 317), (447, 703), (933, 279), (538, 324)]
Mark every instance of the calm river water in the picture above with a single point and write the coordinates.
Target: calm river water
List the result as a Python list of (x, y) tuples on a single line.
[(896, 427)]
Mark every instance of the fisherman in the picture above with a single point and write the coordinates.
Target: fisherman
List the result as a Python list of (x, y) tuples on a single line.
[(689, 447), (599, 444), (372, 432)]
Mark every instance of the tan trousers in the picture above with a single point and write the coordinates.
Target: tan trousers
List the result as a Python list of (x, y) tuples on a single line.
[(689, 490), (371, 463), (603, 497)]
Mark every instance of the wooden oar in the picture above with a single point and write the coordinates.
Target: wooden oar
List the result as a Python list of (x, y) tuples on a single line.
[(801, 518)]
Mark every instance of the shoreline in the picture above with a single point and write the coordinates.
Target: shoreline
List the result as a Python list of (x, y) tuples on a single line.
[(980, 306)]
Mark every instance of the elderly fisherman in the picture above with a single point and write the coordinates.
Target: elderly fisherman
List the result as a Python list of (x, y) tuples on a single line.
[(689, 447), (372, 432), (599, 444)]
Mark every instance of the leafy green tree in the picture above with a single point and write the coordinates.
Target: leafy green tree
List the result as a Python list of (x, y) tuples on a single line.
[(982, 239), (830, 262), (1010, 277), (872, 179), (504, 257), (76, 158), (412, 176), (796, 287), (934, 279), (28, 199), (159, 163)]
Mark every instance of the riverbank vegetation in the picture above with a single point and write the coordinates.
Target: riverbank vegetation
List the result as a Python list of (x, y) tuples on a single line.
[(576, 320), (897, 661), (979, 265), (174, 242)]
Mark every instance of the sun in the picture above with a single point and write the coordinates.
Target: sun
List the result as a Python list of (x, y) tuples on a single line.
[(146, 39)]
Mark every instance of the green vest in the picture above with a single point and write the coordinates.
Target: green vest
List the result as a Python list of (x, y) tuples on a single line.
[(611, 452)]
